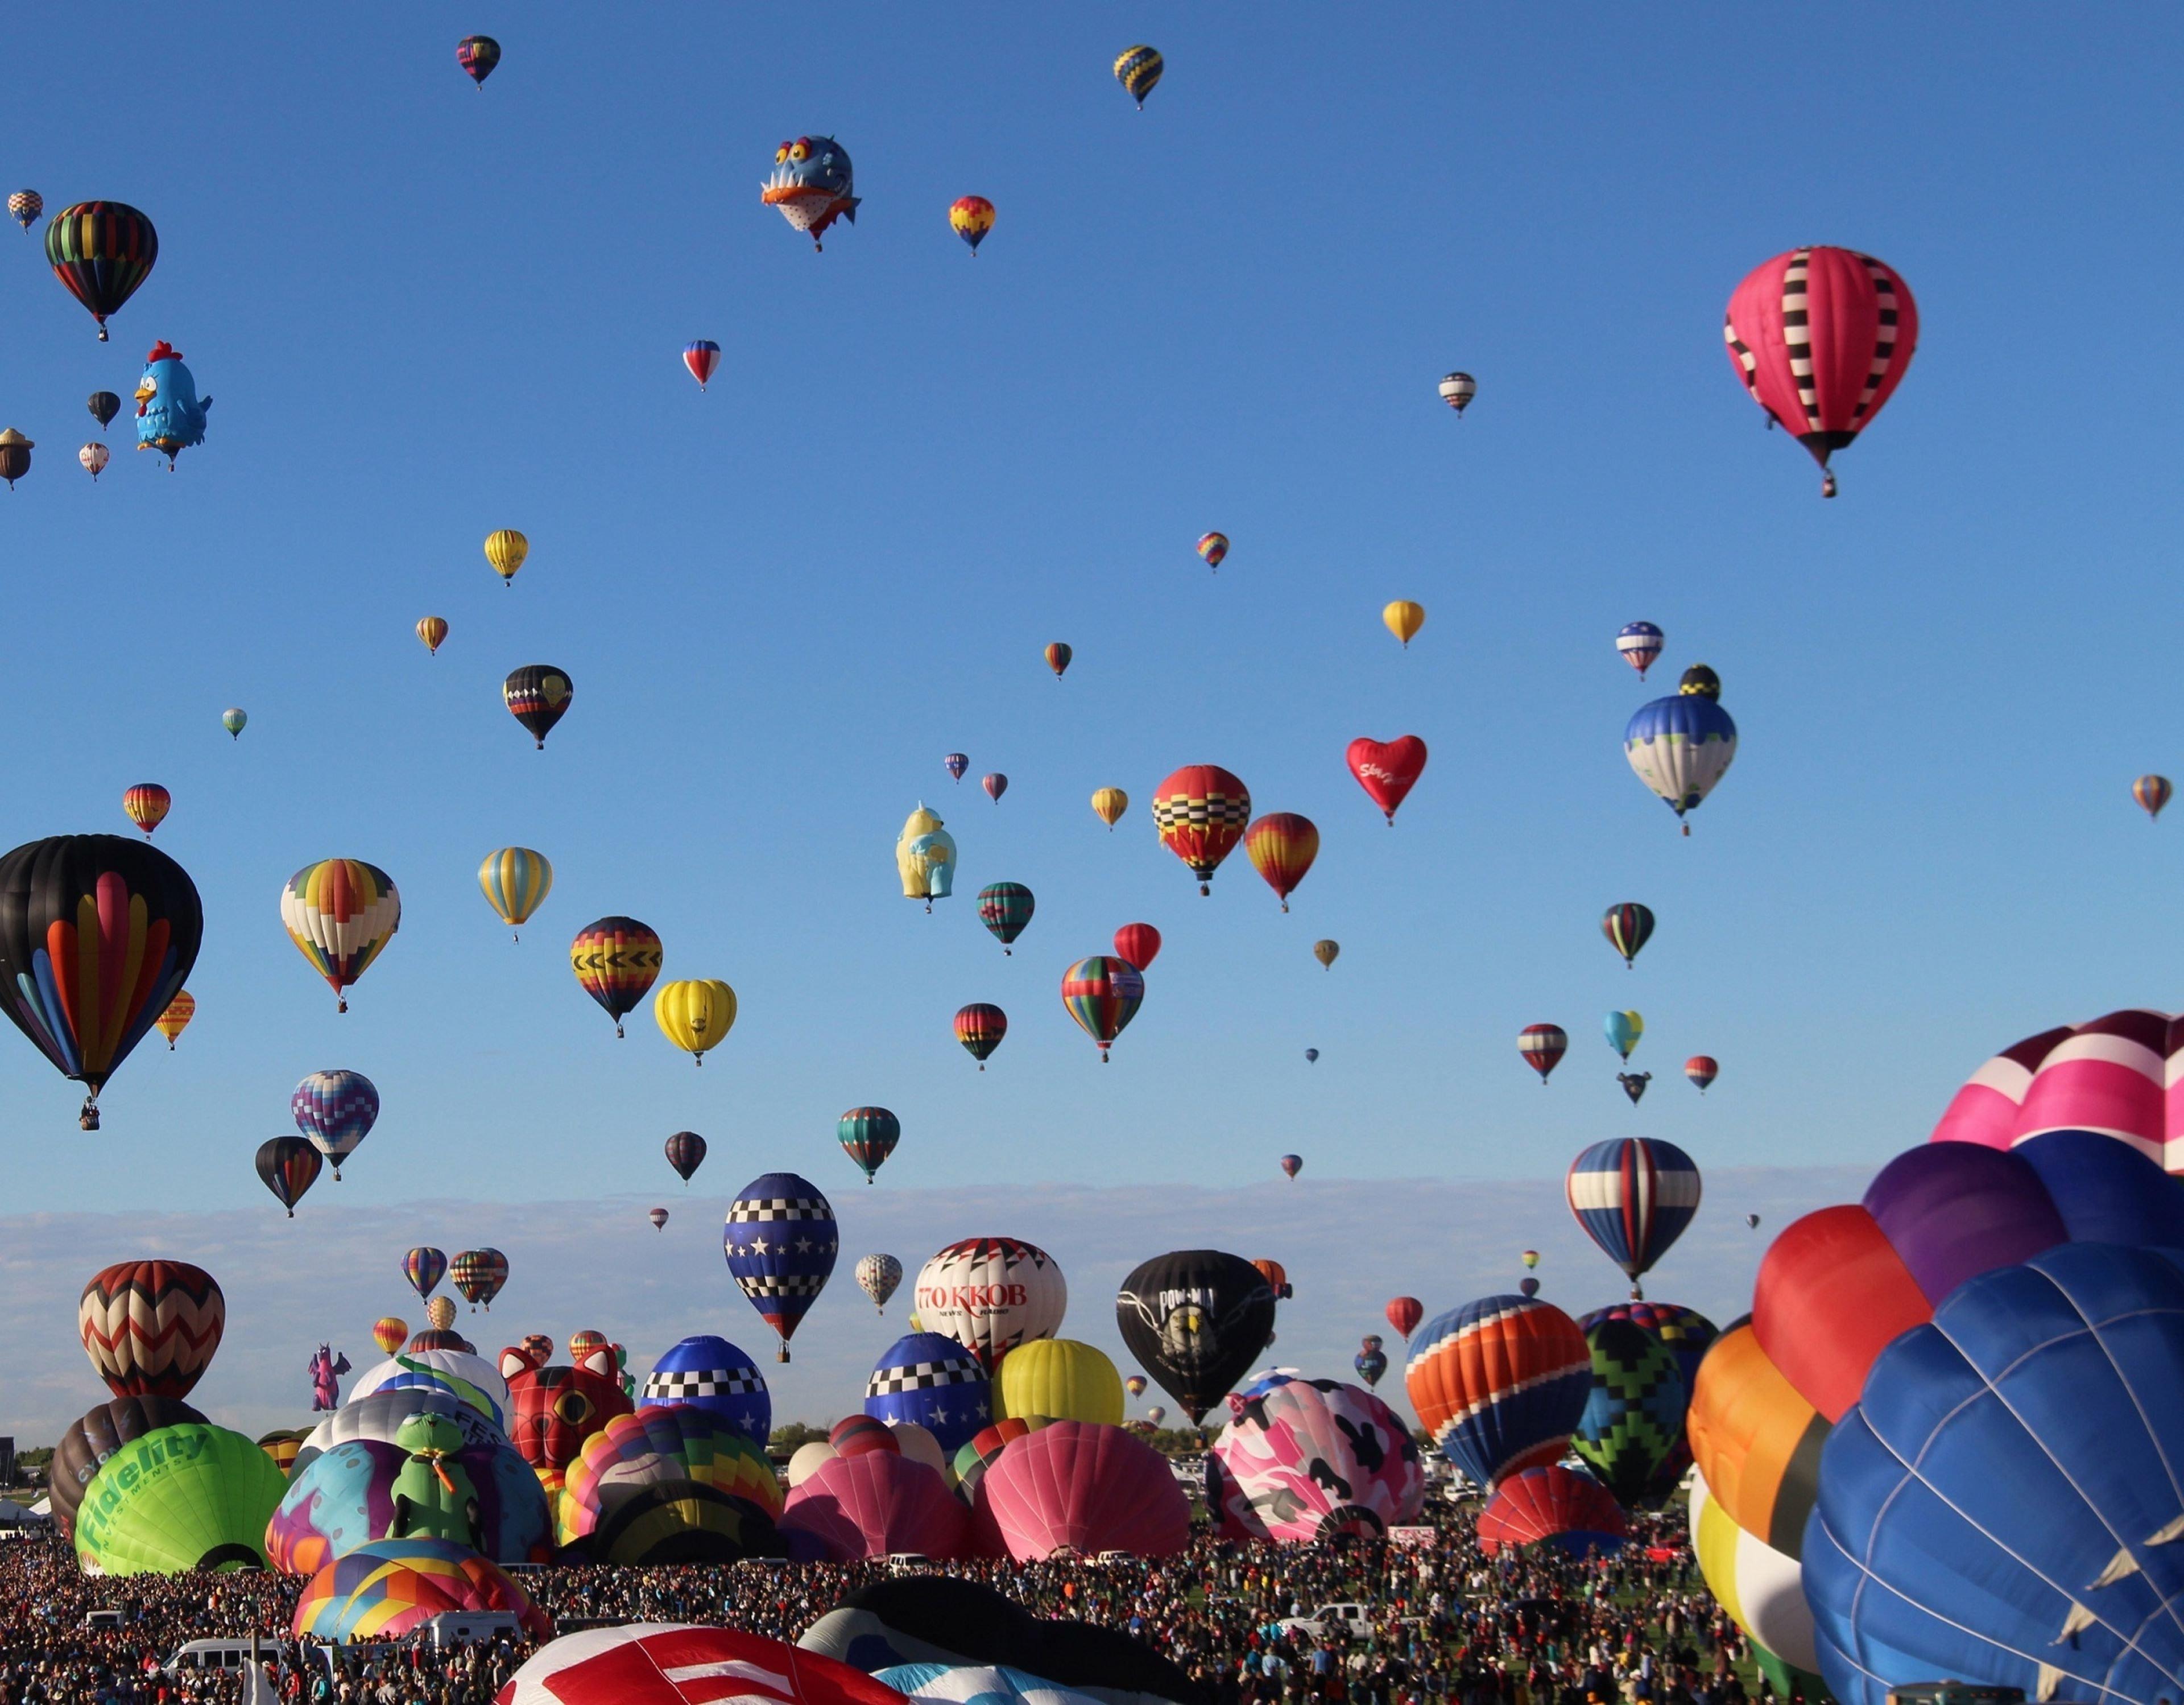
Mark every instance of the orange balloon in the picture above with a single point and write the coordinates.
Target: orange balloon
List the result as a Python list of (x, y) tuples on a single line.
[(1282, 845)]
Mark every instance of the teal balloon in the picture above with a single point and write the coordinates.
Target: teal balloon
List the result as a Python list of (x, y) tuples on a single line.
[(1622, 1034)]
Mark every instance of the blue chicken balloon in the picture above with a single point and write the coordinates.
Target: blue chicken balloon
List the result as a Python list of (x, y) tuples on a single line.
[(170, 416), (708, 1372), (781, 1241), (933, 1382)]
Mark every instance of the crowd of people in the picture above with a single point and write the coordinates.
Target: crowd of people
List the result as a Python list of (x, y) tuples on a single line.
[(1439, 1624)]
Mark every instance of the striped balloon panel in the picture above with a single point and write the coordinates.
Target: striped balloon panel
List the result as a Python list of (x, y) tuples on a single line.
[(150, 1328), (341, 913), (1762, 1589), (1545, 1503), (1500, 1384), (2121, 1076), (1821, 337), (1634, 1196), (617, 960), (423, 1268), (101, 251), (515, 881)]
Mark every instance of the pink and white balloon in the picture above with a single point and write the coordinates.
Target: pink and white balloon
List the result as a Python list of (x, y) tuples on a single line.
[(1311, 1458)]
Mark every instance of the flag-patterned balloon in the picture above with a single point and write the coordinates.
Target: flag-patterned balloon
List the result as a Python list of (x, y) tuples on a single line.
[(1639, 644), (780, 1242), (703, 358), (1543, 1046), (1282, 845), (868, 1136), (1103, 994), (1201, 811), (336, 1110), (980, 1027), (1500, 1384), (477, 55), (1004, 908), (424, 1267), (151, 1327), (1821, 337), (1628, 927), (341, 913), (1633, 1196)]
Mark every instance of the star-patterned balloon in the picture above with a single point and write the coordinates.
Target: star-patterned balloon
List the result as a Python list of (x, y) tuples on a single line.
[(781, 1242), (708, 1372)]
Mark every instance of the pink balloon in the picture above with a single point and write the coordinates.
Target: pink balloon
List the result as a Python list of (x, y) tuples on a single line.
[(876, 1504), (1087, 1488), (2112, 1075)]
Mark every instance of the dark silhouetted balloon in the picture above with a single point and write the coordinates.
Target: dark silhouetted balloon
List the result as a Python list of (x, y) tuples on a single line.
[(1196, 1320)]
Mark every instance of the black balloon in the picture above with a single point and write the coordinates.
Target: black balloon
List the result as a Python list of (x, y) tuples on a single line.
[(90, 1440), (686, 1153), (97, 935), (288, 1167), (1196, 1320), (103, 406), (537, 696)]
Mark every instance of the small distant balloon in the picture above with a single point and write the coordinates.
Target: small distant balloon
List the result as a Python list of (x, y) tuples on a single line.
[(2152, 792), (477, 55), (1327, 952), (515, 882), (173, 1022), (659, 1218), (878, 1276), (971, 217), (1623, 1030), (14, 456), (390, 1332), (234, 719), (956, 763), (1282, 847), (1527, 1287), (1138, 943), (24, 206), (1311, 1055), (1108, 804), (146, 805), (1701, 1069), (103, 406), (505, 549), (1542, 1046), (1403, 619), (702, 356), (1752, 1221), (1457, 389), (995, 785), (686, 1153), (1004, 908), (1137, 69), (1639, 644), (431, 631), (1292, 1164), (537, 696), (980, 1027), (288, 1165), (1103, 995), (1530, 1258), (1628, 927), (1213, 547), (1058, 658), (1634, 1084), (94, 456), (1156, 1415)]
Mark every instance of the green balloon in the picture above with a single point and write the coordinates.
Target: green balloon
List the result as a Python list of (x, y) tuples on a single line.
[(1634, 1416), (190, 1496)]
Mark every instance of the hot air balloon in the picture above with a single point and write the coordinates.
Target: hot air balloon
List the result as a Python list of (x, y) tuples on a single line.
[(101, 251), (1821, 337), (991, 1295), (702, 357), (686, 1153), (431, 631), (336, 1111), (1634, 1416), (390, 1332), (659, 1218), (1282, 845), (103, 406), (1623, 1030), (1542, 1046), (971, 217), (980, 1027), (1500, 1384), (1558, 1506), (695, 1013), (1108, 804), (94, 456), (97, 934), (1135, 1385), (1528, 1285), (424, 1267), (440, 1313), (1681, 747), (1457, 389), (1137, 69), (1387, 772), (537, 696), (1634, 1084), (1276, 1275), (1313, 1459), (1633, 1196), (956, 763), (1202, 811), (1327, 952), (341, 913), (1004, 908), (995, 785), (615, 960), (1638, 644), (1292, 1164), (1138, 943), (781, 1242), (1628, 927), (1103, 994), (1371, 1362), (1080, 1489), (175, 1018), (24, 206), (1404, 1313), (1059, 1379), (2152, 792), (1311, 1055), (234, 720), (14, 456), (146, 805), (505, 550), (813, 184), (477, 55), (479, 1275), (1196, 1319), (150, 1328), (1154, 1416), (288, 1167), (184, 1497), (868, 1135), (1403, 619), (1701, 1069), (1058, 658), (926, 1379), (1213, 547), (515, 881), (878, 1276), (707, 1373), (925, 857)]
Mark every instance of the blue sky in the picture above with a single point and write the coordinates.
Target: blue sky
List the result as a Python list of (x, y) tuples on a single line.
[(427, 311)]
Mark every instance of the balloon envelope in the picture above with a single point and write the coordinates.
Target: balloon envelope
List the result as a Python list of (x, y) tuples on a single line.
[(1312, 1458), (1085, 1489), (1553, 1503), (1500, 1384), (934, 1381), (187, 1496), (151, 1327), (991, 1295), (1196, 1319), (876, 1504)]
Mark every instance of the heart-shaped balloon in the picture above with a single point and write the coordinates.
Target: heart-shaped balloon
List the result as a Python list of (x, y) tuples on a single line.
[(1388, 772)]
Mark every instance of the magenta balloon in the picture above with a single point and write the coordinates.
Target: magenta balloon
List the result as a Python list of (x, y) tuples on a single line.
[(2115, 1076), (1086, 1487), (876, 1504), (1953, 1211)]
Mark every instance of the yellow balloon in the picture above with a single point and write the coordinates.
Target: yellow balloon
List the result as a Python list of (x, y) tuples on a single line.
[(506, 550), (1404, 619), (516, 881), (925, 857), (1110, 803), (441, 1311), (695, 1013), (1326, 952), (1062, 1378), (432, 629)]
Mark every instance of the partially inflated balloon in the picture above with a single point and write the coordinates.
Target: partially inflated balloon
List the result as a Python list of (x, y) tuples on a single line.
[(1549, 1503), (1196, 1319), (695, 1015), (1109, 803), (1138, 943), (537, 696), (341, 913), (1201, 811), (288, 1167), (615, 960), (89, 1440), (187, 1497), (431, 631), (97, 935), (515, 881), (1403, 619), (980, 1027), (686, 1153)]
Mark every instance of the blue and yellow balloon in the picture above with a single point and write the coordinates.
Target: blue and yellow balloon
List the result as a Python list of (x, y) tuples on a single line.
[(517, 882)]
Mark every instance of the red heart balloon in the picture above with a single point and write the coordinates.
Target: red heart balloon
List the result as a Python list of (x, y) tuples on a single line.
[(1388, 772)]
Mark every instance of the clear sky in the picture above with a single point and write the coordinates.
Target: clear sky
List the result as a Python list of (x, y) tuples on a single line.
[(426, 311)]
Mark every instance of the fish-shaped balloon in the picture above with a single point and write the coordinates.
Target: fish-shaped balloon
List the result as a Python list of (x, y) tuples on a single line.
[(812, 184), (170, 417)]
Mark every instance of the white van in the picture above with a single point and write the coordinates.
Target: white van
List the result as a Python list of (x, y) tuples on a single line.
[(229, 1655), (473, 1628)]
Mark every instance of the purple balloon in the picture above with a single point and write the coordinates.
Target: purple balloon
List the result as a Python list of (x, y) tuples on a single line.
[(1954, 1210)]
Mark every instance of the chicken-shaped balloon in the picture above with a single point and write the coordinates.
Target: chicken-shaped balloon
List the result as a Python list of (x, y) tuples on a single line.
[(811, 184), (170, 417), (925, 857)]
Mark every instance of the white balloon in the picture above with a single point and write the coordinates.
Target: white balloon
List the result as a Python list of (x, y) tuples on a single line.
[(990, 1295), (808, 1460)]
